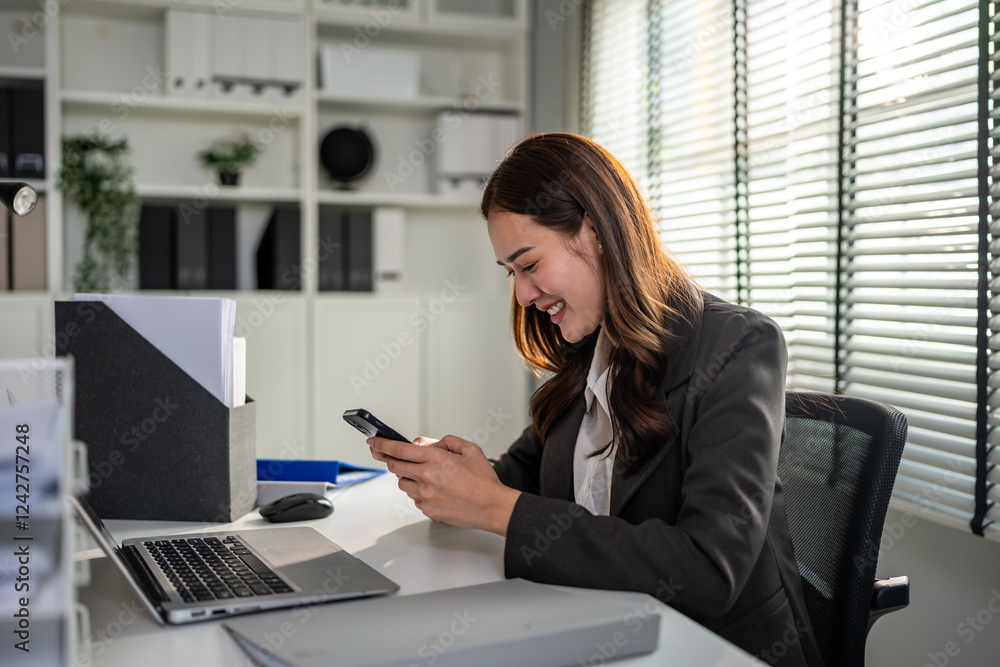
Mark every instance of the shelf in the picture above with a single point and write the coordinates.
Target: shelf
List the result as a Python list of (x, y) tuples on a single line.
[(215, 193), (426, 103), (13, 72), (424, 201), (180, 105), (155, 8), (236, 295), (337, 18)]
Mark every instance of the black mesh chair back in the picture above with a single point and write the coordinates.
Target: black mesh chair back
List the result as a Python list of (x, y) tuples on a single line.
[(837, 465)]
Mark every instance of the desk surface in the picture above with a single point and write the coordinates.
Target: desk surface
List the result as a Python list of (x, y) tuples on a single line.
[(378, 524)]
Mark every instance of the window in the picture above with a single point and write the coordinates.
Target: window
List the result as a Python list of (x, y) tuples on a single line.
[(829, 162)]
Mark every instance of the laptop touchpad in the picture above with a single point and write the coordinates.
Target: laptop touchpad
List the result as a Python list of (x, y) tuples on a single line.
[(284, 548)]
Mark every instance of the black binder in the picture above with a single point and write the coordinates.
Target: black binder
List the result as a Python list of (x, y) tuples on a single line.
[(359, 252), (157, 254), (160, 446), (28, 140), (192, 248), (279, 254), (6, 132), (222, 248), (332, 249)]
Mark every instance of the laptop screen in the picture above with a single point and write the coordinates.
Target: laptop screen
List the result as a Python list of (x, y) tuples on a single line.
[(88, 517)]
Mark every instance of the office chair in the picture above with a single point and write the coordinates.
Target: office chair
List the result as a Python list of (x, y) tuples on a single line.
[(837, 465)]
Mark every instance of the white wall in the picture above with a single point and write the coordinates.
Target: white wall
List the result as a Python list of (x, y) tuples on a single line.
[(555, 71), (954, 613)]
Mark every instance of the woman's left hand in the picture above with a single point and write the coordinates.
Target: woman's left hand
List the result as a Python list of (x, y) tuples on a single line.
[(449, 480)]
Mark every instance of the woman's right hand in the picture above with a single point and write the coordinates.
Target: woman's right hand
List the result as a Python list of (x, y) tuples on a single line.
[(449, 480)]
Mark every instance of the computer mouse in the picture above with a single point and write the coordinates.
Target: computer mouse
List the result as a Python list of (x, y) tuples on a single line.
[(297, 507)]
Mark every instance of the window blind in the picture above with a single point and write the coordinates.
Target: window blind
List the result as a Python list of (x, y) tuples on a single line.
[(912, 228), (613, 89), (792, 113), (692, 131), (830, 163)]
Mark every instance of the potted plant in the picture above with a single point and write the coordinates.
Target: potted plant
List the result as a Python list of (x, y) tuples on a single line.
[(95, 177), (229, 158)]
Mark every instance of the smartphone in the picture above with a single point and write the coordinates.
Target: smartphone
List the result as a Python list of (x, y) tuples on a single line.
[(371, 426)]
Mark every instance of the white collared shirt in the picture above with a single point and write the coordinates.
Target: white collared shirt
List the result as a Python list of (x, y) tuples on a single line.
[(592, 474)]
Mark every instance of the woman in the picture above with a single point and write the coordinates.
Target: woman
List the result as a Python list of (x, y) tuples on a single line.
[(650, 464)]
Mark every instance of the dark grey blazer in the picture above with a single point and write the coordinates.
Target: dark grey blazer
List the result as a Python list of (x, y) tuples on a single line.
[(701, 525)]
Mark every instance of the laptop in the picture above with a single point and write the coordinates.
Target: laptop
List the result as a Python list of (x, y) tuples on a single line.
[(199, 576)]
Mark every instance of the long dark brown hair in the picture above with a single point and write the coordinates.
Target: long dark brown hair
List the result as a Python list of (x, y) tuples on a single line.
[(557, 179)]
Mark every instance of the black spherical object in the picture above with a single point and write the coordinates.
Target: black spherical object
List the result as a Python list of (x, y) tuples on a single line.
[(347, 153)]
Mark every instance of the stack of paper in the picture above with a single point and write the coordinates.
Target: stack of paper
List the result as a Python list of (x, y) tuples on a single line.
[(196, 333)]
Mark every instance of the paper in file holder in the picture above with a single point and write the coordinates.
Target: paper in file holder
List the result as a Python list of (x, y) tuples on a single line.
[(161, 446)]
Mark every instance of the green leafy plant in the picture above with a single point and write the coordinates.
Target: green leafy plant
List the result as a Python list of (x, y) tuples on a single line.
[(230, 156), (95, 177)]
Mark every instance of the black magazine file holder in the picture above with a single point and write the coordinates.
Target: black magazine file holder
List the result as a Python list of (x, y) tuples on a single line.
[(160, 446)]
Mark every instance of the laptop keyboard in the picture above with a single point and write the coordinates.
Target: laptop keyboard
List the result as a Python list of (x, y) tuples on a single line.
[(214, 569)]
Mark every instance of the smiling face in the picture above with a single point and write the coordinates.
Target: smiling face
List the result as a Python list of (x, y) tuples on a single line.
[(558, 275)]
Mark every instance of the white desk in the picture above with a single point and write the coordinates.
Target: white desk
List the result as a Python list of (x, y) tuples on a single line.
[(377, 523)]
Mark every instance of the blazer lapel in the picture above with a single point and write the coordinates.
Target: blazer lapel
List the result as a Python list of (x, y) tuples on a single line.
[(682, 357), (556, 472), (622, 487)]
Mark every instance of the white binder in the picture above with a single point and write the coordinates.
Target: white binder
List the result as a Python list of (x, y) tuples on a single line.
[(389, 248)]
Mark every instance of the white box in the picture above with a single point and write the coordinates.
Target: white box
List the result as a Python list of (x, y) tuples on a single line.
[(466, 150), (288, 59), (389, 248), (258, 56), (178, 27), (200, 44), (227, 57), (347, 70), (471, 148), (506, 130)]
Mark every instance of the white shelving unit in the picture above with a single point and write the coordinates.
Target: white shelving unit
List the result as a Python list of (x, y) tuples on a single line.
[(218, 194), (103, 63)]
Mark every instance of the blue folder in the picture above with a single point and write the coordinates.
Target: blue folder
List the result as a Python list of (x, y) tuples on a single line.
[(332, 472)]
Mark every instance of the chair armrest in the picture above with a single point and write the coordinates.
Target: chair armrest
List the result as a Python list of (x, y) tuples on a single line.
[(888, 595)]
